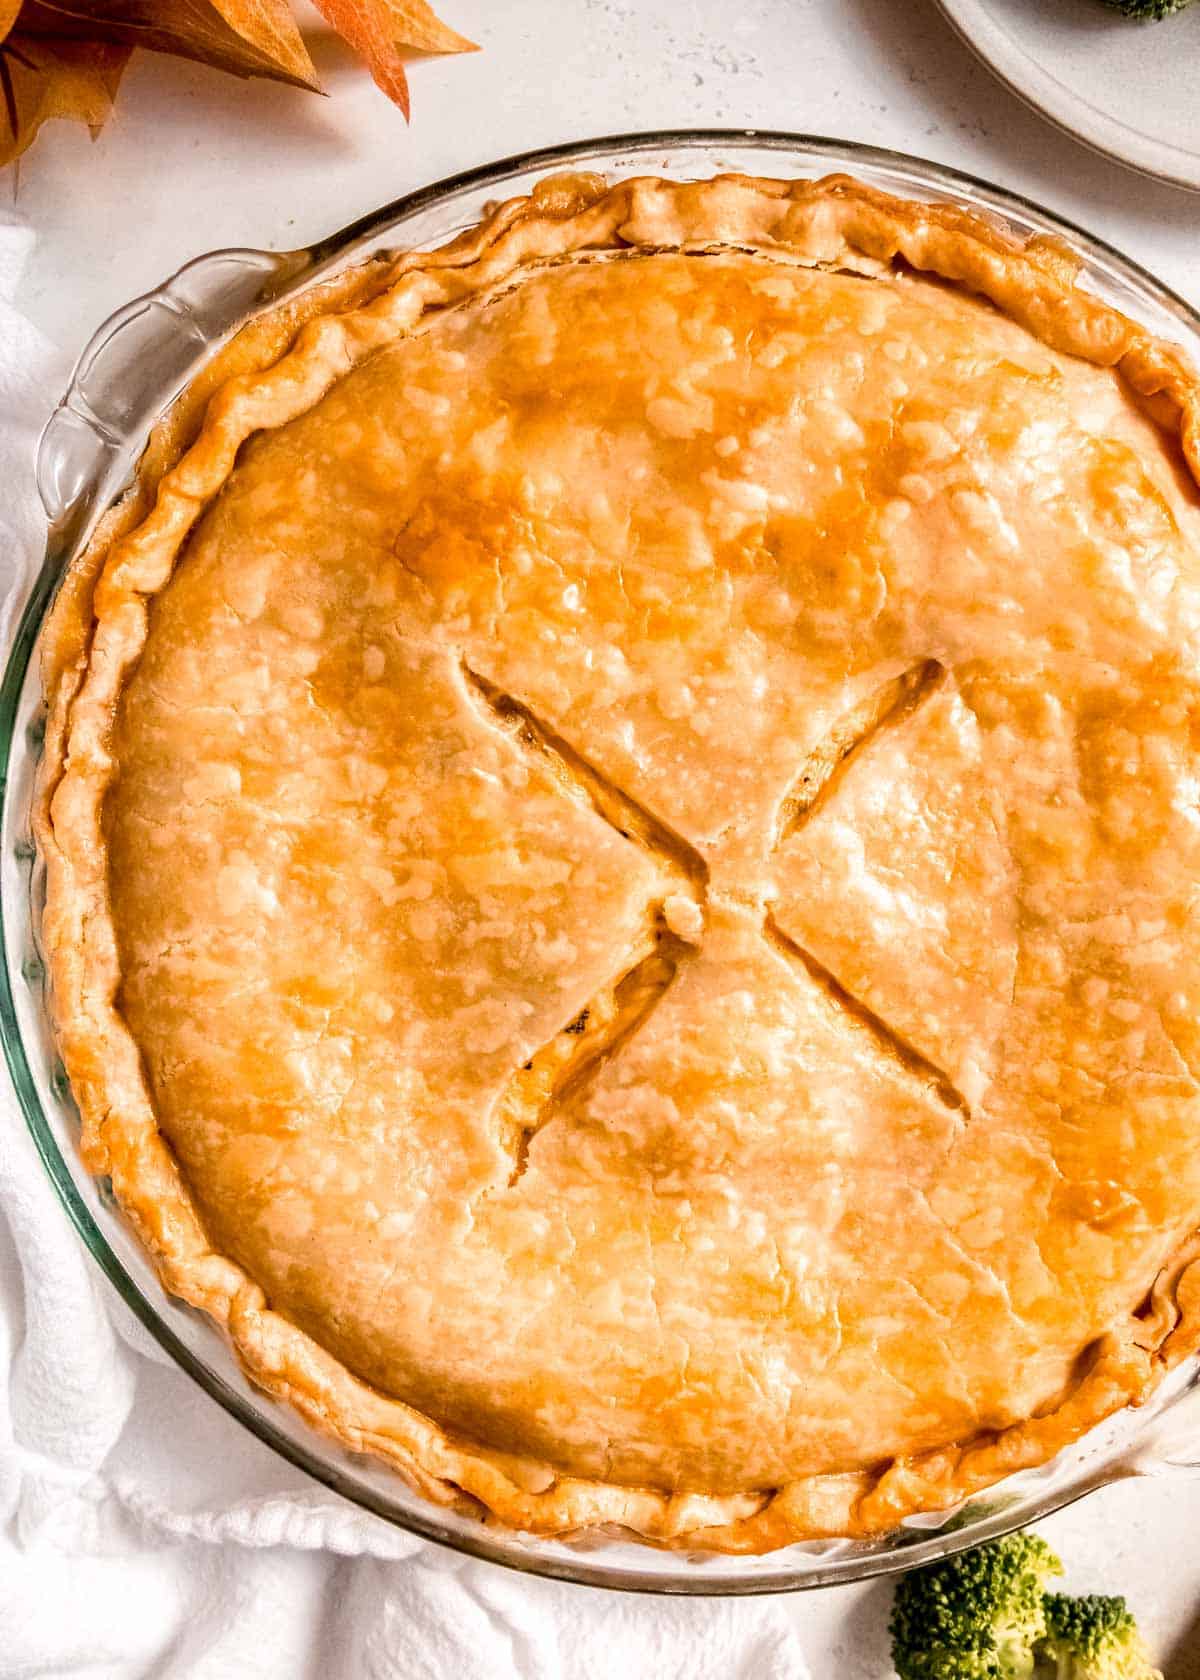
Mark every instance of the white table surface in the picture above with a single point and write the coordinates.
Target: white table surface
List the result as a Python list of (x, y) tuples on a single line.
[(194, 160)]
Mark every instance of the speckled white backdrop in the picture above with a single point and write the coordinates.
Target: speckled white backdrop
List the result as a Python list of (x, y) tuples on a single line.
[(193, 160)]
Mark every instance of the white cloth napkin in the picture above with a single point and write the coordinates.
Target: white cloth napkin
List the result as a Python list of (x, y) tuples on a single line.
[(144, 1533)]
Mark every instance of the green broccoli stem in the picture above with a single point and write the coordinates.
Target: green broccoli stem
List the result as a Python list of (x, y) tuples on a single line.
[(986, 1614), (1093, 1638), (974, 1616)]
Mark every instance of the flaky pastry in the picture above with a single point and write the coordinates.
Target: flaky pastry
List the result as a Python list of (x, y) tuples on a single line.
[(622, 817)]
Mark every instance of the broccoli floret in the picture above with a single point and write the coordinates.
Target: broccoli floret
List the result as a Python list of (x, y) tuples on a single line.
[(1093, 1639), (976, 1616), (1148, 11)]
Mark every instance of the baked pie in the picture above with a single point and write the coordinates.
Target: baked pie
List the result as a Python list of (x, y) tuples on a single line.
[(622, 812)]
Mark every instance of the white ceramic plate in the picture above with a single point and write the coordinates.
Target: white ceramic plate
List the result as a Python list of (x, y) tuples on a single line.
[(1131, 90)]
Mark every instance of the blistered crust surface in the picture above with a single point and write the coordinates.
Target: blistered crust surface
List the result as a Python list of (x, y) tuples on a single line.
[(664, 774)]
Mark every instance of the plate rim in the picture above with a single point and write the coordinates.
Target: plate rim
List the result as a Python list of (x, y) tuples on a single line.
[(1073, 115)]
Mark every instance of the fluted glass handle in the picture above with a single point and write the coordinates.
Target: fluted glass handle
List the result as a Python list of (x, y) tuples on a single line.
[(140, 359), (1170, 1445)]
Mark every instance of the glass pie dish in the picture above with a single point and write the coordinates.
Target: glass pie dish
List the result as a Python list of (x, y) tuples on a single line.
[(126, 380)]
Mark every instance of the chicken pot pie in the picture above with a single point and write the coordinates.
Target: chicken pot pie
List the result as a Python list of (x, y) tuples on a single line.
[(622, 812)]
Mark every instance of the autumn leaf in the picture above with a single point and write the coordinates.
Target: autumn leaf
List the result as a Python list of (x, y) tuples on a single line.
[(64, 58), (43, 79), (381, 30), (245, 37)]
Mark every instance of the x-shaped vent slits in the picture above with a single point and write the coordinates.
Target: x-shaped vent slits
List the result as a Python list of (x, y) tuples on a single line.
[(562, 1068)]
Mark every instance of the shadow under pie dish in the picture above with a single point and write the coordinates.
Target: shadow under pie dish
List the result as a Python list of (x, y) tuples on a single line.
[(620, 832)]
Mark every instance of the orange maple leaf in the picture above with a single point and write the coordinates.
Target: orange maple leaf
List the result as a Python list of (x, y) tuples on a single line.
[(44, 79), (245, 37), (381, 30), (64, 58)]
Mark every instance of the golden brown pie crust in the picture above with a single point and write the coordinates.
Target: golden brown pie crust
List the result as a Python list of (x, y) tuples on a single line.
[(992, 851)]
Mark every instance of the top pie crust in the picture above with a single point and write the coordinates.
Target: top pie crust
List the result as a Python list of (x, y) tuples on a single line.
[(622, 822)]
